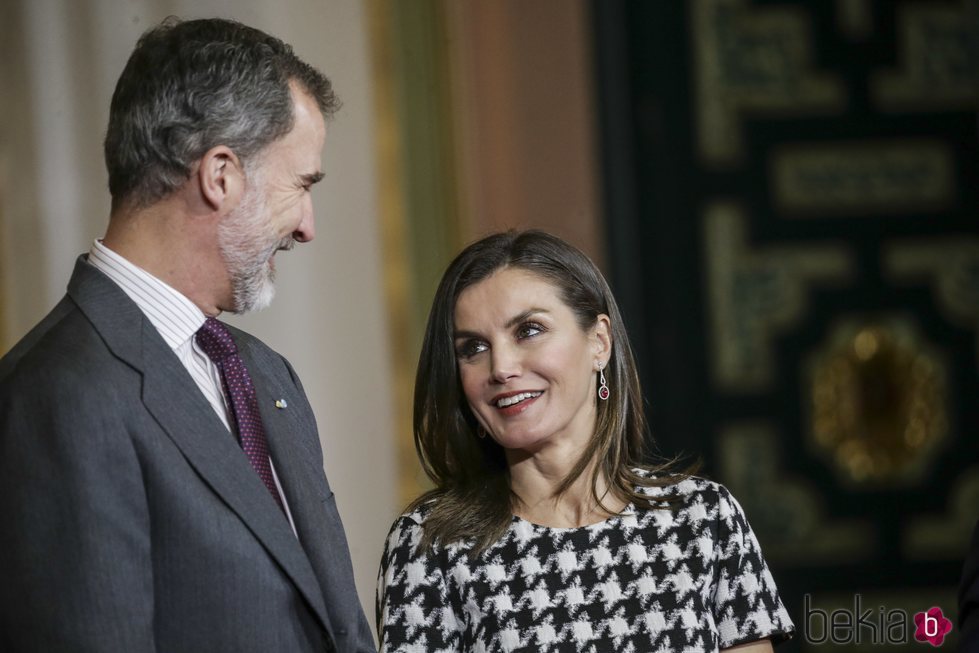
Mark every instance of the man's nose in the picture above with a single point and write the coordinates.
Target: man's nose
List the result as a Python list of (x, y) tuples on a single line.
[(306, 230)]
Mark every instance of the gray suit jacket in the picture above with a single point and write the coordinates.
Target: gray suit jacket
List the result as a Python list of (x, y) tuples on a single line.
[(131, 520)]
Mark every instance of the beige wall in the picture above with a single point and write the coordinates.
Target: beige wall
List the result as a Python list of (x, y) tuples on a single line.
[(487, 123), (60, 60), (523, 89)]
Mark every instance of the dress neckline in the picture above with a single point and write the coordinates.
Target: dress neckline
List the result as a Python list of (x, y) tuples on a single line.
[(628, 511)]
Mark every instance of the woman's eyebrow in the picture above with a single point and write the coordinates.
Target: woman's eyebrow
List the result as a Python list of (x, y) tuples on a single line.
[(517, 319), (512, 322)]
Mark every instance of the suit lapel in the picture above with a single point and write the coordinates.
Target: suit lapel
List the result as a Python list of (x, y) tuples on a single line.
[(189, 420), (171, 396), (295, 456), (296, 453), (298, 456)]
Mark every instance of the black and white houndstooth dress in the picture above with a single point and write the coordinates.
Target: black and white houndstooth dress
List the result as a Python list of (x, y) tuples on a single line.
[(643, 581)]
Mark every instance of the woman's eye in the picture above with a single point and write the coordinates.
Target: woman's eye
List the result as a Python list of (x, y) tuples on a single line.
[(529, 330), (470, 348)]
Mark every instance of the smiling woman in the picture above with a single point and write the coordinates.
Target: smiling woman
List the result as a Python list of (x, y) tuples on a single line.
[(546, 528)]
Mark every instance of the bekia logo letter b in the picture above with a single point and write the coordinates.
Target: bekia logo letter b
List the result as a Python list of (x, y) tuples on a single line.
[(931, 626)]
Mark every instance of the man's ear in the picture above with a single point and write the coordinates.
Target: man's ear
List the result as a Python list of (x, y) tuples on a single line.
[(221, 178)]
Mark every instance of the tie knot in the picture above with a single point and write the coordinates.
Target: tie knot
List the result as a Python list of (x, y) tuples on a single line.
[(215, 340)]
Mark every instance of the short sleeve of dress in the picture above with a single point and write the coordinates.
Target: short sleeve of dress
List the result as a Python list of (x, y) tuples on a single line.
[(747, 606), (415, 610)]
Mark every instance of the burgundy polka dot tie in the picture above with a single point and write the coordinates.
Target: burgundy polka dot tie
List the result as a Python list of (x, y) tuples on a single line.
[(215, 340)]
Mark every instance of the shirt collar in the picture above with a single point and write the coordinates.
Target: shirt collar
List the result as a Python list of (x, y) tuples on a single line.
[(172, 313)]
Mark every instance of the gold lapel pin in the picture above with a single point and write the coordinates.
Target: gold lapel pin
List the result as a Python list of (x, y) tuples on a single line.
[(281, 403)]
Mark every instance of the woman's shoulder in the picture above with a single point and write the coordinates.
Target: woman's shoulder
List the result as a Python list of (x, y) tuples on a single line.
[(410, 524), (685, 490), (406, 531), (409, 529), (414, 516)]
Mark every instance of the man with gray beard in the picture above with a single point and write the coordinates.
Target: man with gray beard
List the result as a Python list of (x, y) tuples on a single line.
[(161, 476)]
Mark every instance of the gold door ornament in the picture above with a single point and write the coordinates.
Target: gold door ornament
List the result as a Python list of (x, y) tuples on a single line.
[(878, 401)]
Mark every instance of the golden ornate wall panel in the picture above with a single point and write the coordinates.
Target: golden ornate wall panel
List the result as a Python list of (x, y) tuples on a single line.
[(949, 267), (882, 178), (936, 59), (754, 61), (792, 191), (753, 469), (756, 292)]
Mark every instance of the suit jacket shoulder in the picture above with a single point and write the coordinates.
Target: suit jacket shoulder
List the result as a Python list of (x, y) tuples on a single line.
[(164, 530)]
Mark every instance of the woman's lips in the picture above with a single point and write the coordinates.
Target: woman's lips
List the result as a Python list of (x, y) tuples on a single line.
[(520, 406)]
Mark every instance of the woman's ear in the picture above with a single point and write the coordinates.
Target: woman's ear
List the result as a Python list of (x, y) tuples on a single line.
[(602, 339), (221, 178)]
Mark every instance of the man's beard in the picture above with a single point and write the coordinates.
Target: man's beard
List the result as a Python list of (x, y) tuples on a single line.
[(246, 244)]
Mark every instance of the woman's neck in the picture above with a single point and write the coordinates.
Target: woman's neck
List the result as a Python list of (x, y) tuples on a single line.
[(536, 479)]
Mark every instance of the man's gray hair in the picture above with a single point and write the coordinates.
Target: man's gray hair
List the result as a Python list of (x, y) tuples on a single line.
[(193, 85)]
